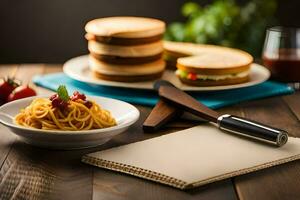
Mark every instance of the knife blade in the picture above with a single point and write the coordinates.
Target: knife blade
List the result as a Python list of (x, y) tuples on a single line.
[(227, 122)]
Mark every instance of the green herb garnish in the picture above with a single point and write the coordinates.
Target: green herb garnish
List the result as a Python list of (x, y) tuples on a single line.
[(63, 93)]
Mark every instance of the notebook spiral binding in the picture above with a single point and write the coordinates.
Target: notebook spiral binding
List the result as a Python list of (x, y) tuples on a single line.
[(161, 178), (136, 171)]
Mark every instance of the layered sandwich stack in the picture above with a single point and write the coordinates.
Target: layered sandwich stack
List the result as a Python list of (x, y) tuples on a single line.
[(126, 49)]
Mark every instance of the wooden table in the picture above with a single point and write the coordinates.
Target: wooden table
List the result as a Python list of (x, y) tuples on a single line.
[(28, 172)]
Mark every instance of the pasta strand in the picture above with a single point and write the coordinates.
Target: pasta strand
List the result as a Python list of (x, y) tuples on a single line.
[(41, 115)]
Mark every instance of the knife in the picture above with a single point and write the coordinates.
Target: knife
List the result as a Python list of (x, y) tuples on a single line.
[(226, 122)]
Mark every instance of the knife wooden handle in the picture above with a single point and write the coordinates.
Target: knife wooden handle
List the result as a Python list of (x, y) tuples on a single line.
[(160, 115), (186, 102)]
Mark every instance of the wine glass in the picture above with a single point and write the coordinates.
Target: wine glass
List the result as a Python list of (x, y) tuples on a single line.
[(281, 54)]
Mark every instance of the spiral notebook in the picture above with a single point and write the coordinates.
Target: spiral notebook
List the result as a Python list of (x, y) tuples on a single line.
[(194, 157)]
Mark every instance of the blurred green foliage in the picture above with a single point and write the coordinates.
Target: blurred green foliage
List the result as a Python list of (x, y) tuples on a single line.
[(224, 22)]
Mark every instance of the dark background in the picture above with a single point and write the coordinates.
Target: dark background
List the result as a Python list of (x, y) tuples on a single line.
[(52, 31)]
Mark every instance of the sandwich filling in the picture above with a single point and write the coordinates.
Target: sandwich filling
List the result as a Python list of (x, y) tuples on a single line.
[(194, 76)]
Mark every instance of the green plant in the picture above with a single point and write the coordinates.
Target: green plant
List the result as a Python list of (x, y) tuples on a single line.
[(224, 22)]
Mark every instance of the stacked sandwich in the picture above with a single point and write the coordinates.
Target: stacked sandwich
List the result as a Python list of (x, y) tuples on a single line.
[(126, 49), (208, 65)]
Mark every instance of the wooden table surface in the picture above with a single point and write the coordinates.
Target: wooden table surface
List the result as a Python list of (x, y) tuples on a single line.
[(27, 172)]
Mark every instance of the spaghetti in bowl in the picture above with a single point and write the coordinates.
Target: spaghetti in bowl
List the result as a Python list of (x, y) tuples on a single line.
[(124, 114), (75, 116)]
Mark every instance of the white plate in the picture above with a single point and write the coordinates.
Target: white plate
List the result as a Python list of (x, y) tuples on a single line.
[(124, 113), (77, 68)]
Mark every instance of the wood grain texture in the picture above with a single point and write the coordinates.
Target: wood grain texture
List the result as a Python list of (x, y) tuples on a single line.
[(280, 182), (34, 173), (111, 185), (28, 172), (274, 112), (6, 137), (6, 141), (293, 103)]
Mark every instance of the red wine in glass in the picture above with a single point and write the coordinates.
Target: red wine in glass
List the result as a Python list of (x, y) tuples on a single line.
[(281, 53)]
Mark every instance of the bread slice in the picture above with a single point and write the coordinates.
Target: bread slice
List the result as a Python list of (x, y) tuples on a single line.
[(215, 63), (176, 50), (155, 67), (126, 51), (125, 27), (181, 49)]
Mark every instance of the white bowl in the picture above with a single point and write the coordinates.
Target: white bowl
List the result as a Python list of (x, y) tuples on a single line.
[(124, 113)]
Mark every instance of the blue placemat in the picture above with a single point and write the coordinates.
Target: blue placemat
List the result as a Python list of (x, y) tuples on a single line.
[(213, 99)]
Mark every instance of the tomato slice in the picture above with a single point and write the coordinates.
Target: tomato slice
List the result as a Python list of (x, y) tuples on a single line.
[(7, 85), (20, 92)]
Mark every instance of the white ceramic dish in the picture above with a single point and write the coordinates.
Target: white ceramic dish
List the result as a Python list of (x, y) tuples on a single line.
[(124, 113), (78, 69)]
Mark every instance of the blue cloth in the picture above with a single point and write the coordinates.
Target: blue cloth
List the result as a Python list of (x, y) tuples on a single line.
[(212, 99)]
